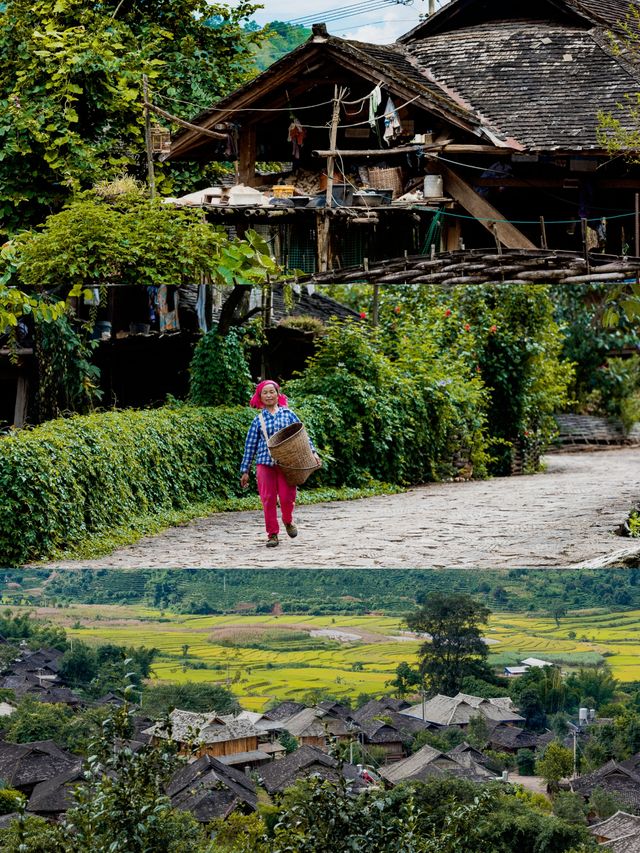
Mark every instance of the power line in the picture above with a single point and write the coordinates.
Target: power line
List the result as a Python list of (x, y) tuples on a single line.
[(346, 11)]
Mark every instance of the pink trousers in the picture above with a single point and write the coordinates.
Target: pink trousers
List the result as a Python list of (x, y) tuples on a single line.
[(271, 486)]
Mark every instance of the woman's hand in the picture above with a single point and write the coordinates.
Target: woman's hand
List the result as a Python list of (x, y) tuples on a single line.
[(244, 480), (318, 460)]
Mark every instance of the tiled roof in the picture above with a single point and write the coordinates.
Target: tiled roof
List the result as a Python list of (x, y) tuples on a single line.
[(613, 778), (619, 824), (537, 83), (304, 762), (458, 710), (425, 763), (209, 789), (24, 765), (55, 795), (187, 726)]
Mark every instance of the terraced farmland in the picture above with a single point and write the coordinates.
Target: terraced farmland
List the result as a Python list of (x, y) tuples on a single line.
[(262, 657)]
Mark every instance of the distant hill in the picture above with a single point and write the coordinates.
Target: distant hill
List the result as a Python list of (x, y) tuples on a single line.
[(283, 38)]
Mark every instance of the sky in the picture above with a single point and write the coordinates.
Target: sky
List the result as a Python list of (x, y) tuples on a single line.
[(377, 21)]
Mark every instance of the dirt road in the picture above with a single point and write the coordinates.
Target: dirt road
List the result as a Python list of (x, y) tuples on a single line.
[(562, 517)]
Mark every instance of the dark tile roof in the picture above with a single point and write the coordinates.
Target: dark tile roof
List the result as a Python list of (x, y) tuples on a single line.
[(377, 731), (304, 762), (284, 710), (512, 737), (208, 789), (615, 779), (540, 84), (462, 13), (55, 795), (379, 707), (22, 766)]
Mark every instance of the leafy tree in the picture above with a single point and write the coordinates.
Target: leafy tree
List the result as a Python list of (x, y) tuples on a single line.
[(604, 804), (556, 763), (288, 741), (526, 761), (407, 679), (78, 665), (594, 687), (10, 800), (455, 648), (71, 84), (569, 807), (279, 38), (477, 732), (219, 372), (160, 699), (34, 720)]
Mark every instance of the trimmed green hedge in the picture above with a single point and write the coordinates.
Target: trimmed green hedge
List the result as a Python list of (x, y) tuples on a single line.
[(87, 474)]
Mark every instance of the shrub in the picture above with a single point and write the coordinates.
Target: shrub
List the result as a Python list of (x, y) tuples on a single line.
[(219, 373), (72, 477), (10, 800)]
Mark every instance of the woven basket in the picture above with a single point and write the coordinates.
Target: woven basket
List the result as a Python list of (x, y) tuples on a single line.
[(290, 448), (387, 179)]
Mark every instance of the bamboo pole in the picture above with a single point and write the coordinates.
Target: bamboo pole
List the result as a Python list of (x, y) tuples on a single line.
[(147, 136)]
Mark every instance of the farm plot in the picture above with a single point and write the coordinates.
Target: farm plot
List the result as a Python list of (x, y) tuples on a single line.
[(266, 656)]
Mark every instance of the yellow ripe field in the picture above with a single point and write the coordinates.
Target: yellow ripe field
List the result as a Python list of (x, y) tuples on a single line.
[(224, 648)]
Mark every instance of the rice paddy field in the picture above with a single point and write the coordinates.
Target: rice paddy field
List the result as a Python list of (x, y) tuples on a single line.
[(287, 656)]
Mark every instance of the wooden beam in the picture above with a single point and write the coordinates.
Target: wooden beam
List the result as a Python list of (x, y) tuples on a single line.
[(247, 156), (508, 235), (201, 130), (22, 400)]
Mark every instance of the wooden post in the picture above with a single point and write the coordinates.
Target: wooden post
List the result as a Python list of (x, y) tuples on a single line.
[(375, 305), (147, 137), (247, 156), (637, 225), (22, 399), (543, 233), (333, 138)]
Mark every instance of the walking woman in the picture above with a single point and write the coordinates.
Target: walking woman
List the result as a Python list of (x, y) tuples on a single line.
[(272, 486)]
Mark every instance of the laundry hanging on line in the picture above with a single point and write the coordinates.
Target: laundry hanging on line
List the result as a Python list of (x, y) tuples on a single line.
[(392, 123), (296, 137)]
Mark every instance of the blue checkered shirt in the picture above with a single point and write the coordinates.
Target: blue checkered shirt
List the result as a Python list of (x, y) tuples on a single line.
[(255, 444)]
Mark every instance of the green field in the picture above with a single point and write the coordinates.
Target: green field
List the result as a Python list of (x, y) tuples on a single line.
[(262, 657)]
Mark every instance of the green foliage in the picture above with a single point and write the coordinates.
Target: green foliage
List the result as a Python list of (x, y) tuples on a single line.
[(395, 419), (455, 648), (132, 240), (86, 474), (604, 804), (518, 346), (603, 383), (68, 381), (219, 373), (37, 632), (32, 835), (71, 86), (594, 687), (570, 807), (445, 815), (526, 761), (556, 763), (160, 699), (105, 668), (10, 800), (288, 741), (279, 38)]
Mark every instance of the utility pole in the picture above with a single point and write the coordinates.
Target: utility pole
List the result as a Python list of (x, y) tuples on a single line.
[(147, 136)]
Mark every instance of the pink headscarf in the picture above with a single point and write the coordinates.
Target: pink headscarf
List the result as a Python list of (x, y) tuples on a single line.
[(257, 403)]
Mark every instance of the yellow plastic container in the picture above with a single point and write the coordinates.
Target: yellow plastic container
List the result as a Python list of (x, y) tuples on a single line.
[(283, 190)]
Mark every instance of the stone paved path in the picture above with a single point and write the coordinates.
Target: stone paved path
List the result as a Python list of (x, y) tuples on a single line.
[(560, 518)]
